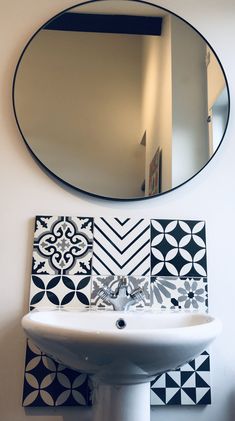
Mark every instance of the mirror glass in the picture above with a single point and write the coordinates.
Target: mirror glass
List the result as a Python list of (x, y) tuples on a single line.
[(121, 99)]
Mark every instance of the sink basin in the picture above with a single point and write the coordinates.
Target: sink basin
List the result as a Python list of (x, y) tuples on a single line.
[(121, 349), (147, 344)]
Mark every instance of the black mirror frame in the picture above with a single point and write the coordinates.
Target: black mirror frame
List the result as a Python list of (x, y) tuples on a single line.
[(49, 172)]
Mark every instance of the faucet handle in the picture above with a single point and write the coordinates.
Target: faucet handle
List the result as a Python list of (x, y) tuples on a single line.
[(105, 293), (137, 294), (123, 281)]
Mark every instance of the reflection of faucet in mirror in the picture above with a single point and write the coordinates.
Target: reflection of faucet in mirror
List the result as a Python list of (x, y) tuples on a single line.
[(123, 297)]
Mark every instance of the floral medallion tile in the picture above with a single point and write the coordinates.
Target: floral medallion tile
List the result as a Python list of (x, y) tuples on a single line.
[(178, 248), (60, 291), (111, 283), (62, 245), (179, 293)]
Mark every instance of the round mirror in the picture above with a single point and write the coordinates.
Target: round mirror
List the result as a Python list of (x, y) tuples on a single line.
[(121, 99)]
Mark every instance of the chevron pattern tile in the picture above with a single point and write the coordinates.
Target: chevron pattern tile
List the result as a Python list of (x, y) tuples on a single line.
[(121, 246), (73, 257)]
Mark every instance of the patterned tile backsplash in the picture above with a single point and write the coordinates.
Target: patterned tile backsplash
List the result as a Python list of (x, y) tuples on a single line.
[(73, 257)]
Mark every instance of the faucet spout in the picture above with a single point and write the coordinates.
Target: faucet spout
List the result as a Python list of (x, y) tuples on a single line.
[(123, 297)]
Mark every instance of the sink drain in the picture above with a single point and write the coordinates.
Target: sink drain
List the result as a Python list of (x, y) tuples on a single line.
[(120, 323)]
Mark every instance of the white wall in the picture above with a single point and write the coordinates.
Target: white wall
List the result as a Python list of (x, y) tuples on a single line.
[(27, 191)]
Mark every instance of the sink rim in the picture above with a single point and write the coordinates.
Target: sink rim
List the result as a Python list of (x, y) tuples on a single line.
[(29, 321)]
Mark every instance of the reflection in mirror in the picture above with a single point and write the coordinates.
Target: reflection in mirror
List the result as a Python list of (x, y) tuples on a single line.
[(121, 99)]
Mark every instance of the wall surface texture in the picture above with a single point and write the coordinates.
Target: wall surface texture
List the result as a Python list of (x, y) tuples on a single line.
[(26, 191)]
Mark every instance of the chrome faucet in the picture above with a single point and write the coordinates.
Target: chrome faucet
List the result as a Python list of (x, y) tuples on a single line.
[(123, 297)]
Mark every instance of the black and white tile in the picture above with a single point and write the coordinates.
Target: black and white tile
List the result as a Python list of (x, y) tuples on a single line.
[(60, 291), (189, 385), (121, 247), (62, 245), (48, 383), (178, 248), (73, 257)]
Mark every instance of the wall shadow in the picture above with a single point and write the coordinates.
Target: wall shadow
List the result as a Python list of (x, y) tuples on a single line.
[(66, 414), (231, 407)]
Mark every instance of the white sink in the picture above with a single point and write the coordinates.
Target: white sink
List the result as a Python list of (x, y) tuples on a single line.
[(93, 342)]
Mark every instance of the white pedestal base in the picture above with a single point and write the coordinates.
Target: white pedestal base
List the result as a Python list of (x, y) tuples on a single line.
[(121, 402)]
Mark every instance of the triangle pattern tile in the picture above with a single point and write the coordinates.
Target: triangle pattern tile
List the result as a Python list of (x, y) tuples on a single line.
[(200, 382), (203, 363), (203, 396), (171, 393), (192, 364), (188, 379), (158, 396), (191, 392), (188, 396), (173, 379), (205, 376), (159, 382), (173, 396), (190, 382), (189, 367)]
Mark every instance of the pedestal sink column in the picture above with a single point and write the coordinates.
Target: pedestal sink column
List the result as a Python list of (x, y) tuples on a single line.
[(121, 402)]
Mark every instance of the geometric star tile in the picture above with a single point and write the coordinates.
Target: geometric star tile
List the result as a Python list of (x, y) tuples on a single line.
[(178, 248)]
